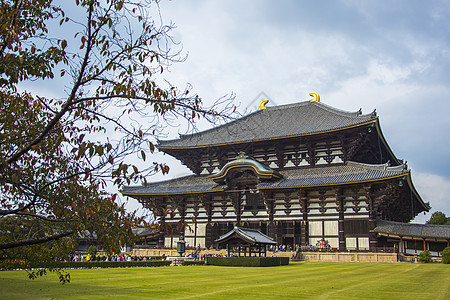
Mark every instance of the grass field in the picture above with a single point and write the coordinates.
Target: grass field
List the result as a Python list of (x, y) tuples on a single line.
[(295, 281)]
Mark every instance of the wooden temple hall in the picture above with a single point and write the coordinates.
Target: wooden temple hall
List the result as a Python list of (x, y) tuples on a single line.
[(298, 173)]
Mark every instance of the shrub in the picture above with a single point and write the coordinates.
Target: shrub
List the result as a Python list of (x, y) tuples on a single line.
[(247, 261), (425, 256), (92, 250), (194, 262), (446, 255), (97, 264)]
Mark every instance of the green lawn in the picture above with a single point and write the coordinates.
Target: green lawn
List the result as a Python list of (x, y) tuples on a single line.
[(295, 281)]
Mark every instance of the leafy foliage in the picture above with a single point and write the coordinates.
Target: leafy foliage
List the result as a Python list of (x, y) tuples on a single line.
[(43, 268), (194, 262), (425, 256), (92, 250), (446, 255), (439, 218), (247, 261), (56, 154)]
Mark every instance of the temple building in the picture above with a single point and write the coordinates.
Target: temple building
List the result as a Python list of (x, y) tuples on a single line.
[(298, 173)]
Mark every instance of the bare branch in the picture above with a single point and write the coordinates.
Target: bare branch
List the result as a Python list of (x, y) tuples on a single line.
[(35, 241)]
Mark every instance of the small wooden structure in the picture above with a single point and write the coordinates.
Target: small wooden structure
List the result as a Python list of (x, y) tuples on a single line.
[(245, 239), (413, 238)]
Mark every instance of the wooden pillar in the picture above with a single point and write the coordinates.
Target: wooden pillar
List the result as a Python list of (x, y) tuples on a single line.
[(424, 244), (303, 200), (161, 239), (340, 208), (237, 202), (208, 235), (401, 245), (373, 242), (269, 204)]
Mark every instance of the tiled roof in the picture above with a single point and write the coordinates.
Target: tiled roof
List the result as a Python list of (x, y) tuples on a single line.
[(352, 172), (297, 119), (415, 230), (183, 185), (335, 174), (252, 236), (145, 231)]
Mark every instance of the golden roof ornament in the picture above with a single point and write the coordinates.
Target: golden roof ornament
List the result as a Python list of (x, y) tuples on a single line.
[(316, 97), (263, 103)]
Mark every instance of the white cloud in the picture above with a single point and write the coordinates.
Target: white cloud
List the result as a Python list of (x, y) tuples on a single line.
[(434, 189), (355, 54)]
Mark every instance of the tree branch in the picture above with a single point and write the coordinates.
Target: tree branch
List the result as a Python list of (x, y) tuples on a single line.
[(35, 241)]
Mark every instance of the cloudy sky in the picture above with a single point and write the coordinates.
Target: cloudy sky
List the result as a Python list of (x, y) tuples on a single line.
[(392, 56), (388, 55)]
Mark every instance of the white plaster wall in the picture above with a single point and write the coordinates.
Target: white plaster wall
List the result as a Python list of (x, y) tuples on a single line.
[(336, 160), (331, 228), (333, 242), (321, 217), (357, 216), (330, 205), (201, 242), (289, 164), (321, 162), (350, 242), (363, 243), (279, 213), (304, 163), (189, 229), (257, 218), (167, 241), (315, 228), (201, 229), (189, 241)]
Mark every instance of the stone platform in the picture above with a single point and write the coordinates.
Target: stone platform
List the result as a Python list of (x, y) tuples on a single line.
[(347, 257)]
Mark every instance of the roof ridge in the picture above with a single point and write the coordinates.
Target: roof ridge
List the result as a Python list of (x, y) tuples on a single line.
[(384, 167), (272, 108), (344, 112), (324, 106)]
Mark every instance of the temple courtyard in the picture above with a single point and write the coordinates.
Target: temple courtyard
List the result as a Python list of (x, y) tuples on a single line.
[(294, 281)]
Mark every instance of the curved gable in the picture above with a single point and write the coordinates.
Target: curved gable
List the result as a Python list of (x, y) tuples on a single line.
[(245, 163)]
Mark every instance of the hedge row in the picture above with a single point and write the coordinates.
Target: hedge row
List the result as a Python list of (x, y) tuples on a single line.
[(193, 262), (446, 255), (247, 261), (96, 264)]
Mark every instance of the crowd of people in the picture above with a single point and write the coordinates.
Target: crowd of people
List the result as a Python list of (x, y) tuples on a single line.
[(104, 257), (321, 245)]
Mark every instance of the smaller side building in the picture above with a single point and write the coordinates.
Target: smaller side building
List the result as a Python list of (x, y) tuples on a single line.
[(246, 239), (413, 238)]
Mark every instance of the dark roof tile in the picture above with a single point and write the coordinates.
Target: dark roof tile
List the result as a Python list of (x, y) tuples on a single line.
[(252, 236), (415, 230), (301, 177), (183, 185), (335, 174), (272, 123)]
